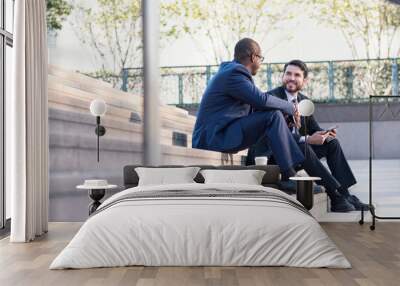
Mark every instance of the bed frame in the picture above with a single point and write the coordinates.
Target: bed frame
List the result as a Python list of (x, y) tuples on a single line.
[(270, 179)]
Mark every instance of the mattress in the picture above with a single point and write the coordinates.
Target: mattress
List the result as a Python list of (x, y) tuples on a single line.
[(201, 225)]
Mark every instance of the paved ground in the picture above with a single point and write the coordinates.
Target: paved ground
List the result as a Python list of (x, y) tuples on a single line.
[(385, 184)]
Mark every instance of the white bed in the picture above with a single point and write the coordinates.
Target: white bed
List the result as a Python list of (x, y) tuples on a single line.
[(206, 230)]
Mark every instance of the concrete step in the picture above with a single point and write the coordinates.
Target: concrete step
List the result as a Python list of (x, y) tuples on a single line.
[(77, 100), (99, 87), (345, 217), (320, 205), (75, 123), (92, 86), (75, 152), (70, 91)]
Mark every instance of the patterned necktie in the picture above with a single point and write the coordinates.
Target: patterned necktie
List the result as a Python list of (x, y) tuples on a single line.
[(295, 103)]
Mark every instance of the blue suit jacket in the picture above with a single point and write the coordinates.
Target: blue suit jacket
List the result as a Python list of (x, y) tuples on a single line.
[(229, 96)]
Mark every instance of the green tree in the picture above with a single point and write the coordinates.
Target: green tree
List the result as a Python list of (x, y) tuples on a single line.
[(57, 12), (113, 30), (219, 24), (372, 31), (370, 27)]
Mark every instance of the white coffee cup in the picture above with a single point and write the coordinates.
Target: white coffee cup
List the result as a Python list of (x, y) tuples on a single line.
[(261, 160)]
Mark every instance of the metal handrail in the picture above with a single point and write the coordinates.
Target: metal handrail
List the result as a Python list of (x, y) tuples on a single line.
[(333, 80)]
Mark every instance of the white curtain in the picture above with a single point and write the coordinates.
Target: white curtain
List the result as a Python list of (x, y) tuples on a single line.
[(27, 124)]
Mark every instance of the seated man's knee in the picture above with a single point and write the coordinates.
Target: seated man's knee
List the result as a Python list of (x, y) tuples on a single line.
[(270, 116), (276, 115), (306, 148), (334, 143)]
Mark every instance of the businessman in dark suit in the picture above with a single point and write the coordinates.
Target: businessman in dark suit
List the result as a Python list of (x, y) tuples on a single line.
[(226, 122), (321, 143)]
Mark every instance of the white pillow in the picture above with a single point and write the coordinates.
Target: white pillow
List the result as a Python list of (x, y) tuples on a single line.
[(248, 177), (166, 176)]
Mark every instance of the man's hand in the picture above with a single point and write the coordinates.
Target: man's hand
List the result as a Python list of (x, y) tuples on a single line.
[(318, 138), (332, 133)]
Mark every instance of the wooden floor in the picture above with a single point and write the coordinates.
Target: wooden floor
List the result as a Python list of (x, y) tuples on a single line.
[(375, 257)]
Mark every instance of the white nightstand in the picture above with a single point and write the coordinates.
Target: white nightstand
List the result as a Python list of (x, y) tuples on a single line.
[(96, 193)]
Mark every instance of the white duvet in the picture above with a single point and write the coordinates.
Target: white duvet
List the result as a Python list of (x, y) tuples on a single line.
[(200, 231)]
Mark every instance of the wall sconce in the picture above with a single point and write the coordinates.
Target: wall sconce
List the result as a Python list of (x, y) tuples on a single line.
[(98, 108)]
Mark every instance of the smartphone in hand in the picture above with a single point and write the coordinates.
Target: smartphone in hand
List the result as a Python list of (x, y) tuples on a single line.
[(330, 129)]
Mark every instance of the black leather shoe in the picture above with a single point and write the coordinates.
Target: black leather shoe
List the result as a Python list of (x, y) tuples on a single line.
[(341, 205), (358, 205)]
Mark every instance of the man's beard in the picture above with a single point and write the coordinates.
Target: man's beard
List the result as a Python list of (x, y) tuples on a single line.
[(254, 72), (295, 89)]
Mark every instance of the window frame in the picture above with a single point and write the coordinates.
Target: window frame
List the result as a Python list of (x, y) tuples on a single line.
[(6, 39)]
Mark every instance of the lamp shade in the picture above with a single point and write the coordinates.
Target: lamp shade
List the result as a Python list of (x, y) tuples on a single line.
[(306, 107), (98, 107)]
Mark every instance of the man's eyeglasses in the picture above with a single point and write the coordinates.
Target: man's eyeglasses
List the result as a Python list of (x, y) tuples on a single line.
[(260, 57)]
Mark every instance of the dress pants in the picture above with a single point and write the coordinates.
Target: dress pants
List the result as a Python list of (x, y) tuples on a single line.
[(340, 176), (271, 126)]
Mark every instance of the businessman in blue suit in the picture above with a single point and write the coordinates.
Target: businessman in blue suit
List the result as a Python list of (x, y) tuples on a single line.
[(226, 120)]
